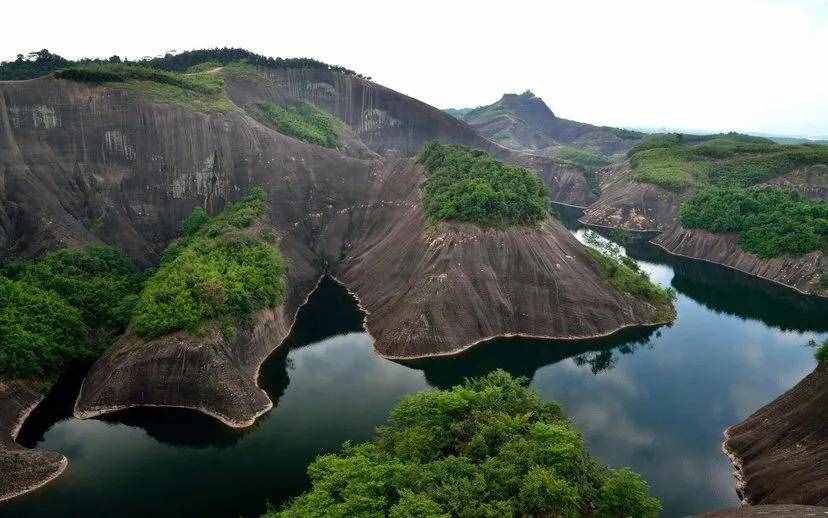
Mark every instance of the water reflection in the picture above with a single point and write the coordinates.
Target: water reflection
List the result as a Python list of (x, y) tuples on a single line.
[(523, 357), (656, 400)]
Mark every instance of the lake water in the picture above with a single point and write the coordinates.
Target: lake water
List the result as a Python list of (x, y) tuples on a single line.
[(656, 401)]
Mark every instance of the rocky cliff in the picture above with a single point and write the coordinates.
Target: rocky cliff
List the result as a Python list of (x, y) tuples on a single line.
[(22, 469), (86, 164), (780, 453), (635, 206)]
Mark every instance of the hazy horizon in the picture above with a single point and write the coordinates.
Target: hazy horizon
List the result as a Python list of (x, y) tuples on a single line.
[(750, 66)]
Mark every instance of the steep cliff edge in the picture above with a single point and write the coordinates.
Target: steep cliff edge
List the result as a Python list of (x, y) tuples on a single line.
[(780, 453), (21, 469)]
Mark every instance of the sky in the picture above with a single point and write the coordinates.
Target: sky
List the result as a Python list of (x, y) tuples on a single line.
[(757, 66)]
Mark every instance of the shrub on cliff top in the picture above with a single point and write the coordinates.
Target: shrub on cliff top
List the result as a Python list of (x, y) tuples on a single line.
[(223, 272), (489, 447), (464, 184)]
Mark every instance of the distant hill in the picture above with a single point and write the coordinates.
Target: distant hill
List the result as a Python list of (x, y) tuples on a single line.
[(524, 122)]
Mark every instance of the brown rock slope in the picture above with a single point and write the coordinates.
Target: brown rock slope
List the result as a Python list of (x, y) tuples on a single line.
[(780, 453), (83, 164), (641, 207), (22, 469)]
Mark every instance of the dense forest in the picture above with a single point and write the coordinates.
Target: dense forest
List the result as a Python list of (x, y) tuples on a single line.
[(68, 306), (72, 304), (770, 221), (463, 184), (40, 63), (489, 447)]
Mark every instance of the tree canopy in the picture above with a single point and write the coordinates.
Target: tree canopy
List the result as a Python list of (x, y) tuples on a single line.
[(489, 447), (464, 184)]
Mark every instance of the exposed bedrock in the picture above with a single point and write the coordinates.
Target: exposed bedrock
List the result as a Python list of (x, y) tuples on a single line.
[(640, 207), (22, 469), (780, 453)]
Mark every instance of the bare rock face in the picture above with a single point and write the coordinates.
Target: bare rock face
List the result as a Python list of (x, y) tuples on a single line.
[(21, 469), (630, 205), (780, 453)]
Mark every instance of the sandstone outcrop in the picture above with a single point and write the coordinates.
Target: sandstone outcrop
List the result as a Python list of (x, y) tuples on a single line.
[(780, 453), (22, 469)]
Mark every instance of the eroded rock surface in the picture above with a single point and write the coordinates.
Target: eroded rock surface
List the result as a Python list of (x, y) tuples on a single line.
[(780, 453), (22, 469)]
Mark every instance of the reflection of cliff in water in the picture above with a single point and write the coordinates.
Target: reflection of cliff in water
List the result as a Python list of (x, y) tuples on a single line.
[(724, 290), (329, 311), (523, 357)]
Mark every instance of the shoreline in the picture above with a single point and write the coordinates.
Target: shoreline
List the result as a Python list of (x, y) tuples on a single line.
[(13, 433)]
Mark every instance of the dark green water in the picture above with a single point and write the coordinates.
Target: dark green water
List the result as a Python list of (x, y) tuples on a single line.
[(654, 400)]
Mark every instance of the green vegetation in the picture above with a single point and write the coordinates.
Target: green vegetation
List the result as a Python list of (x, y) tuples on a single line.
[(624, 274), (724, 169), (223, 270), (677, 161), (821, 354), (67, 306), (625, 134), (770, 221), (489, 447), (100, 281), (37, 64), (202, 91), (39, 332), (305, 122), (463, 184), (583, 159)]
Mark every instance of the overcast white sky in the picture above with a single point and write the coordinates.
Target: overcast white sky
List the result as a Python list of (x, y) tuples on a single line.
[(749, 65)]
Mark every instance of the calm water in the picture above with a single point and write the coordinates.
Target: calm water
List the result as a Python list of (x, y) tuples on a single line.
[(656, 401)]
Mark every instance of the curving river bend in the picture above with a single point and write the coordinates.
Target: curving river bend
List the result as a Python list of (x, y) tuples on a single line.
[(654, 400)]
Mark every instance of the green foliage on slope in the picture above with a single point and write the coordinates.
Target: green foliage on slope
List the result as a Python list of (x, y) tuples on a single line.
[(67, 306), (305, 122), (464, 184), (624, 274), (677, 161), (489, 447), (770, 221), (224, 270), (583, 159), (39, 331), (821, 354)]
